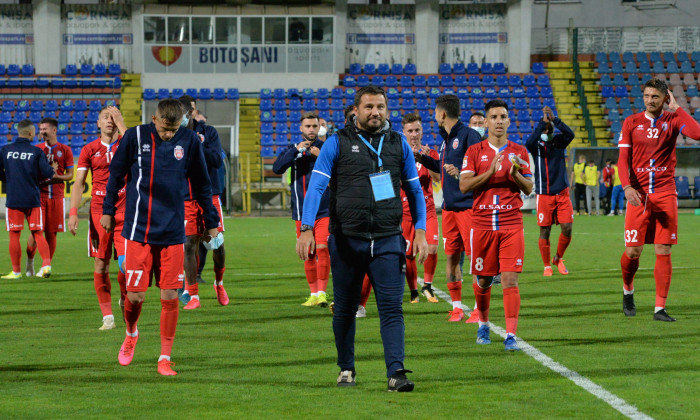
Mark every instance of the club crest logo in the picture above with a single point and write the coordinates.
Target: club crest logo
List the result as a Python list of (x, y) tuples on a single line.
[(59, 153), (455, 143), (166, 55), (179, 152), (664, 126), (201, 138)]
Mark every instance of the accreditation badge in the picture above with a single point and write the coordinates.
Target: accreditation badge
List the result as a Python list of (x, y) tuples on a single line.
[(381, 186)]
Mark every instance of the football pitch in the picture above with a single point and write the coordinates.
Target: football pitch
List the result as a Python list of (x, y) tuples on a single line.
[(266, 356)]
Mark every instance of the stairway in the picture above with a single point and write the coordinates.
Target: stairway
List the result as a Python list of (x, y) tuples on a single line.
[(562, 79), (589, 81), (249, 139), (130, 103)]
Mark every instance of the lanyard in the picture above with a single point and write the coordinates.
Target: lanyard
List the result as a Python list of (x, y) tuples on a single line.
[(376, 151)]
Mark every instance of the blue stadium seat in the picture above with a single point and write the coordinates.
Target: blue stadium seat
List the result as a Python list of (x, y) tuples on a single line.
[(486, 68), (406, 81), (618, 80), (669, 56), (266, 116), (478, 104), (407, 105), (624, 104), (266, 105), (672, 67), (77, 117), (543, 80), (410, 68), (326, 115), (280, 117), (232, 94), (42, 83), (515, 138), (433, 81), (447, 81), (392, 93), (378, 80), (603, 68), (605, 80), (502, 80), (686, 67), (369, 69), (397, 69), (458, 68), (525, 127), (267, 140), (338, 117), (8, 105), (490, 93), (149, 95), (100, 69), (336, 93), (614, 57), (601, 57), (523, 115), (295, 116), (93, 116), (538, 68), (636, 91), (295, 104), (407, 95), (13, 70), (434, 93), (630, 67), (293, 93), (460, 81), (421, 94), (425, 115), (266, 126), (610, 102), (279, 94), (499, 68), (472, 68), (613, 115), (281, 129), (322, 93), (36, 106), (163, 94), (520, 103), (308, 94), (616, 126), (86, 69), (27, 70), (337, 104), (22, 105), (695, 56), (549, 101), (114, 70), (514, 80), (537, 114), (473, 81), (383, 69), (477, 93), (66, 105), (534, 103), (463, 93), (219, 94), (265, 93), (5, 117), (422, 104), (529, 80), (71, 70), (419, 80), (355, 68), (683, 187), (324, 105), (363, 80), (3, 70), (445, 68), (448, 91), (658, 67), (204, 94), (487, 81), (267, 152), (692, 91), (91, 128), (350, 94), (504, 93), (644, 67), (627, 56), (110, 102), (76, 128), (617, 67), (638, 104), (80, 105), (391, 81), (620, 91), (280, 140), (533, 93), (349, 81)]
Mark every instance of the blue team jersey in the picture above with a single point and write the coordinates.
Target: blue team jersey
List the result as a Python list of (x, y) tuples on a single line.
[(157, 171), (211, 145), (22, 167), (550, 158)]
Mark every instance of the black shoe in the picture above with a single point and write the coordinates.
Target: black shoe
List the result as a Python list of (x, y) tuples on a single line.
[(200, 279), (399, 383), (663, 316), (346, 378), (415, 296), (497, 279), (628, 306)]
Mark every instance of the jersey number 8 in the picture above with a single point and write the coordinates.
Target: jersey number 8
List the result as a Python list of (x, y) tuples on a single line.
[(479, 264)]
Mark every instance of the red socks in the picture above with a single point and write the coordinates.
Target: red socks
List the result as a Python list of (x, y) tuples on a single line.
[(629, 268), (662, 277), (311, 273), (43, 247), (132, 311), (545, 252), (121, 279), (562, 245), (192, 289), (511, 308), (51, 241), (15, 250), (429, 268), (31, 250), (483, 301), (366, 290), (323, 268), (168, 323), (411, 273), (455, 288), (103, 288)]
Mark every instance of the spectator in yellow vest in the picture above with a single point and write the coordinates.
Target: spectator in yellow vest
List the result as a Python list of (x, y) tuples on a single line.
[(579, 185), (591, 175)]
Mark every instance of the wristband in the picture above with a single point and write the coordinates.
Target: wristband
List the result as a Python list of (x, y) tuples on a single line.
[(73, 211)]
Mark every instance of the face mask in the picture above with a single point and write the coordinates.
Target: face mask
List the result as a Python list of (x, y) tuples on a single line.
[(546, 137), (480, 130), (322, 131), (185, 121)]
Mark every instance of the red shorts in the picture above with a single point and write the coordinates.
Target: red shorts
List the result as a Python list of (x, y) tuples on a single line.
[(105, 241), (216, 200), (497, 251), (456, 226), (54, 212), (409, 231), (14, 219), (554, 209), (654, 221), (145, 261), (194, 222), (320, 230)]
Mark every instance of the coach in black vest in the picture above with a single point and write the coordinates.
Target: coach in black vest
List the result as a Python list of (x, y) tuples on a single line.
[(365, 164)]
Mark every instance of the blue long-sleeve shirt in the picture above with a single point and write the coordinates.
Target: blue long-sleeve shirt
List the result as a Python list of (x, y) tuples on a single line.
[(454, 147), (157, 171), (211, 146), (22, 167), (323, 171), (550, 158), (302, 165)]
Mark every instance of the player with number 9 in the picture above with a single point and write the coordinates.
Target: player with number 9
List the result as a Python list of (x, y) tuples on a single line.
[(646, 168)]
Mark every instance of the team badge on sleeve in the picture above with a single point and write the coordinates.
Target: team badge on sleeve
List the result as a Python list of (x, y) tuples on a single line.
[(464, 163), (179, 152)]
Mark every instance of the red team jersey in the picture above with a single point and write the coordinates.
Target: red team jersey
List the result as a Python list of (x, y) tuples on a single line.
[(426, 182), (653, 157), (63, 155), (96, 157), (496, 203)]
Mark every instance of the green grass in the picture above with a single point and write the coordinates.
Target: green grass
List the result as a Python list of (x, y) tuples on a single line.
[(266, 356)]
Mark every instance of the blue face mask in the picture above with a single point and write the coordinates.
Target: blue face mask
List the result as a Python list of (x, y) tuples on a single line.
[(546, 137), (480, 130), (185, 121)]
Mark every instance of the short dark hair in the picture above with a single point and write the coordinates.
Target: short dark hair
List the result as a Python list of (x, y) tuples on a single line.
[(368, 90), (657, 84), (478, 114), (50, 121), (24, 125), (308, 115), (187, 98), (450, 104), (495, 103), (348, 111), (411, 117), (171, 110), (186, 101)]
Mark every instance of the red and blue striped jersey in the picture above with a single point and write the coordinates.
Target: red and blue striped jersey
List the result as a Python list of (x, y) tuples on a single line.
[(63, 156)]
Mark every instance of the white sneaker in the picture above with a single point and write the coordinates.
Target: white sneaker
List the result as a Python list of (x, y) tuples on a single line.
[(107, 323), (44, 272), (361, 312), (30, 267)]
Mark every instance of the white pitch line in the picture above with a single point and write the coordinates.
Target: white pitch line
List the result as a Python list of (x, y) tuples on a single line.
[(596, 390)]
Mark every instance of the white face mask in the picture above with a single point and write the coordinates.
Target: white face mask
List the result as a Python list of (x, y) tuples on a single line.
[(546, 137), (322, 131), (480, 130), (185, 121)]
